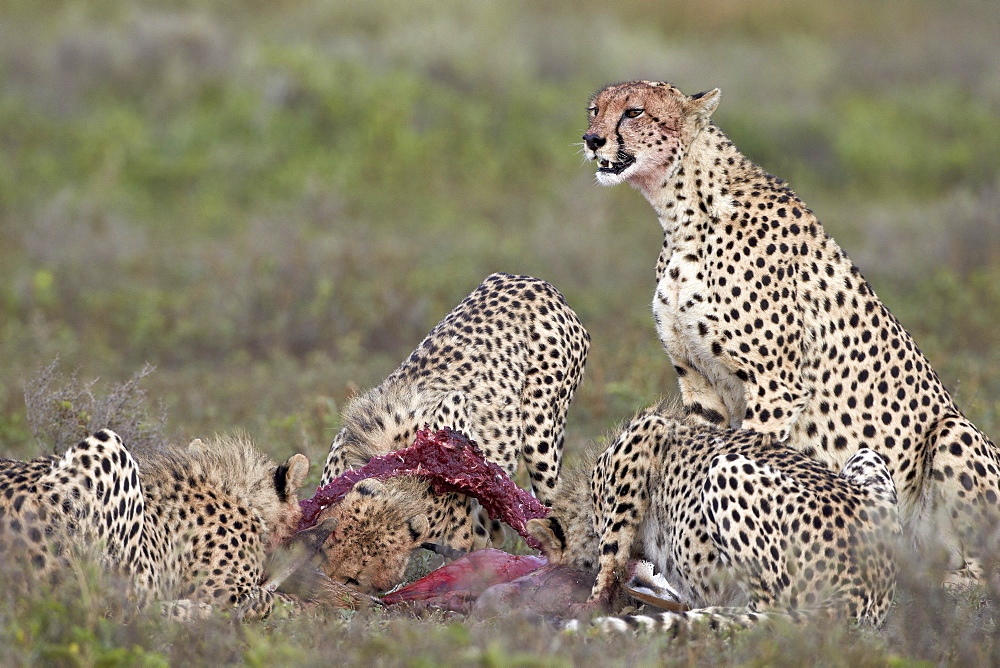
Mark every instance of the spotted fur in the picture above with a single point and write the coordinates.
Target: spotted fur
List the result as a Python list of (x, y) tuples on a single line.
[(742, 528), (502, 368), (771, 327), (54, 507), (189, 527)]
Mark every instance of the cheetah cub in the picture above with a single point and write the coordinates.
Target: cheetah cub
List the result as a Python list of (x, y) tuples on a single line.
[(744, 530), (195, 523), (502, 368), (771, 327)]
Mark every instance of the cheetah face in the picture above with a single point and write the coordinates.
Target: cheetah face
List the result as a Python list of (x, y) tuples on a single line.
[(639, 131), (374, 538)]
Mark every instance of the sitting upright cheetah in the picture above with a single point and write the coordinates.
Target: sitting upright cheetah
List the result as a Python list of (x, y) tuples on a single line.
[(742, 528), (772, 328), (502, 368)]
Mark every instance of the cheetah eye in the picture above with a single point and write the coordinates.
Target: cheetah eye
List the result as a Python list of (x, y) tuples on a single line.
[(634, 113), (592, 111)]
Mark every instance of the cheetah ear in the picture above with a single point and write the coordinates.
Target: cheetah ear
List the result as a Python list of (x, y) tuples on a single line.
[(298, 469), (289, 477), (196, 447), (549, 533), (702, 105), (369, 487), (418, 526)]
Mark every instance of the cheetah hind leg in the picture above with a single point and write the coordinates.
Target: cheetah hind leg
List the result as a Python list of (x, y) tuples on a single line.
[(114, 537), (868, 469), (959, 506), (740, 540)]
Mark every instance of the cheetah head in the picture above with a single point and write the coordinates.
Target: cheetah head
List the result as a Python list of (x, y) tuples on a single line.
[(639, 131), (378, 526), (270, 489), (566, 539)]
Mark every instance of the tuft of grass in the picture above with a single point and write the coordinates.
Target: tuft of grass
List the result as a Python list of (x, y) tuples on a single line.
[(64, 410)]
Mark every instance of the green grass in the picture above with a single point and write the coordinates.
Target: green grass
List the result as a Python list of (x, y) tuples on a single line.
[(273, 205)]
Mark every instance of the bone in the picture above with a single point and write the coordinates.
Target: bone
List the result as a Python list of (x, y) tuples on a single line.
[(652, 588), (444, 550)]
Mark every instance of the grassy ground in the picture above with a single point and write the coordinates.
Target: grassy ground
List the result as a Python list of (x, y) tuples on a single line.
[(273, 205)]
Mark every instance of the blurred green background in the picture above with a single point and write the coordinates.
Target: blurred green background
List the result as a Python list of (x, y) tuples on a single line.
[(272, 202)]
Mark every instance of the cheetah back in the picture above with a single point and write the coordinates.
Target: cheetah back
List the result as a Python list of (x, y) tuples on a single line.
[(732, 520)]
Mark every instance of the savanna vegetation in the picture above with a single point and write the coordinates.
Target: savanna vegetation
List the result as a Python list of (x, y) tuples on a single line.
[(271, 203)]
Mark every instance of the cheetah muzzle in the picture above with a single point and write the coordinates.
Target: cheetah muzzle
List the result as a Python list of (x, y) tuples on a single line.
[(623, 162)]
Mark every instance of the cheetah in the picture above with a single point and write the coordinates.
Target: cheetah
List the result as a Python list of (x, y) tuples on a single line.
[(502, 368), (54, 508), (188, 527), (742, 528), (770, 327)]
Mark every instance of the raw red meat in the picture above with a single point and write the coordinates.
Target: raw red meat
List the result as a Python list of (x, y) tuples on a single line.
[(458, 584), (490, 582), (451, 463)]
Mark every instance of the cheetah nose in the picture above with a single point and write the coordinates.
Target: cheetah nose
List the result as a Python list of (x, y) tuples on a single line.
[(594, 142)]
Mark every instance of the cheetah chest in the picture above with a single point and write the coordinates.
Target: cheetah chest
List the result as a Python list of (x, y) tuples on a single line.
[(684, 314)]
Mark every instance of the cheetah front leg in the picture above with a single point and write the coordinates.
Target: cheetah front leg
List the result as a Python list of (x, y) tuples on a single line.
[(745, 390), (544, 405), (620, 490), (774, 391), (775, 412), (765, 382), (701, 399), (249, 600)]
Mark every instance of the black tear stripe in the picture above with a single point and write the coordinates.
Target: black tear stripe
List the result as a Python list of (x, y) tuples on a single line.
[(618, 135)]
